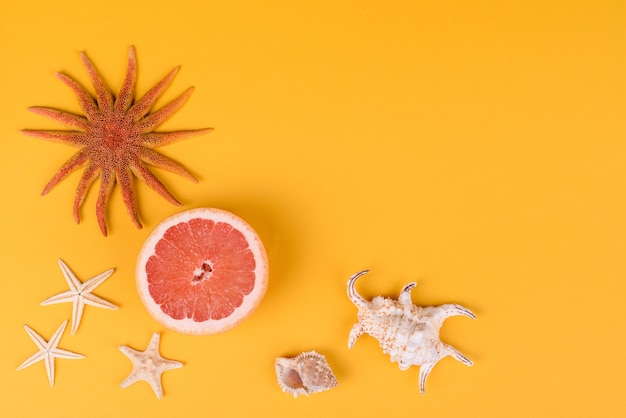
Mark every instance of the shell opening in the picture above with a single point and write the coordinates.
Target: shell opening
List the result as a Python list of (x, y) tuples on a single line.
[(292, 379)]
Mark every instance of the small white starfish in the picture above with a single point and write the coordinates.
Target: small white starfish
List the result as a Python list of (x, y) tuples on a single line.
[(80, 294), (148, 365), (48, 351)]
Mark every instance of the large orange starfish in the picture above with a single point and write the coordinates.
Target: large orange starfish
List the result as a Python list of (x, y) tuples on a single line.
[(116, 138)]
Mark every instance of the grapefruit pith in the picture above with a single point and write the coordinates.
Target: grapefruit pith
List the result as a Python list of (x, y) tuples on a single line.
[(202, 271)]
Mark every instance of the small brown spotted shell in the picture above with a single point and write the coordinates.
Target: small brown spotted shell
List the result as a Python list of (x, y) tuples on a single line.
[(309, 372)]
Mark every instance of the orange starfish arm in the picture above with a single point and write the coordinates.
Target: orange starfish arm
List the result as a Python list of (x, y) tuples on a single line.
[(143, 105), (89, 176), (103, 94), (160, 139), (85, 100), (155, 119), (154, 183), (66, 118), (124, 178), (106, 187), (161, 161), (74, 163), (66, 137), (127, 91)]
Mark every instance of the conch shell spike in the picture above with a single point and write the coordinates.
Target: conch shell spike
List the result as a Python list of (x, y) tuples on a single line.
[(405, 294), (354, 296)]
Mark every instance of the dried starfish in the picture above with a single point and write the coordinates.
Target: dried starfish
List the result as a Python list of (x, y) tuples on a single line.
[(148, 365), (80, 294), (408, 333), (116, 138), (48, 351)]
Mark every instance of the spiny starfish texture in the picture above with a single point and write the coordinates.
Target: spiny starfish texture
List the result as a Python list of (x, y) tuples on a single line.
[(148, 365), (116, 138)]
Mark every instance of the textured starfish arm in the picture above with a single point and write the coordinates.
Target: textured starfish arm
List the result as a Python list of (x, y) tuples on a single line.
[(103, 94), (157, 387), (40, 342), (106, 187), (66, 118), (61, 353), (90, 175), (161, 161), (56, 337), (136, 376), (71, 279), (135, 357), (130, 352), (96, 281), (67, 296), (74, 163), (154, 183), (170, 364), (65, 137), (49, 360), (124, 178), (77, 313), (160, 139), (127, 91), (85, 100), (143, 105), (38, 356), (130, 379), (93, 300), (155, 119)]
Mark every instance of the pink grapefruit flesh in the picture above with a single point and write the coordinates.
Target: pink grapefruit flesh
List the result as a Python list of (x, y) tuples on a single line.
[(202, 271)]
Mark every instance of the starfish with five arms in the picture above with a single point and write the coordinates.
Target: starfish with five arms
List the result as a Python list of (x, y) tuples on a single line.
[(148, 365), (116, 138), (80, 294), (48, 351)]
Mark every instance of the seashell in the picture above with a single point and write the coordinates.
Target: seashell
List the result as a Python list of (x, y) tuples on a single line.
[(408, 333), (306, 373)]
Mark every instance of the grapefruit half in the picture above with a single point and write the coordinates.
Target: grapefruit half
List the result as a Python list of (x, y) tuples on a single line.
[(202, 271)]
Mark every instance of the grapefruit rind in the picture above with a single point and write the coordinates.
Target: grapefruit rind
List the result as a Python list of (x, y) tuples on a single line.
[(211, 326)]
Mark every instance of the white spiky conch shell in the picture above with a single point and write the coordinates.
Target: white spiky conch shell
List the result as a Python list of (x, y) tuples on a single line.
[(407, 332), (307, 373)]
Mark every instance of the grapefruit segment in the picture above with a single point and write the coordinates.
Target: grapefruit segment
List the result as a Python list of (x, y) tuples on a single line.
[(202, 271)]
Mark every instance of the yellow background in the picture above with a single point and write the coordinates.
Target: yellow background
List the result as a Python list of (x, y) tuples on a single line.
[(477, 148)]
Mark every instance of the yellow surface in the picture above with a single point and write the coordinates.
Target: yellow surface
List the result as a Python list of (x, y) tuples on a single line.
[(477, 148)]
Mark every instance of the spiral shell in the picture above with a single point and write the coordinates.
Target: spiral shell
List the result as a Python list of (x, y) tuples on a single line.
[(308, 372)]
